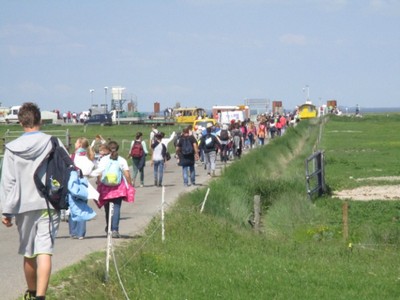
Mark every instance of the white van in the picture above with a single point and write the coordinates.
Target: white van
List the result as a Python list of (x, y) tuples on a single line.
[(12, 116)]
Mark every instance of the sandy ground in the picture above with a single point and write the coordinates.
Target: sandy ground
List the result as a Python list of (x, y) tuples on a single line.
[(378, 192)]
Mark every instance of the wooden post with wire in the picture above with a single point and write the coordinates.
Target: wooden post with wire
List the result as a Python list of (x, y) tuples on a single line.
[(257, 212), (345, 217)]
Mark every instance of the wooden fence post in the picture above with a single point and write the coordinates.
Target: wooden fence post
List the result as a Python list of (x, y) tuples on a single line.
[(345, 212), (257, 212)]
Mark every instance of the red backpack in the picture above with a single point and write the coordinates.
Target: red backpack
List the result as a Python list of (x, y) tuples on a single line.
[(137, 150)]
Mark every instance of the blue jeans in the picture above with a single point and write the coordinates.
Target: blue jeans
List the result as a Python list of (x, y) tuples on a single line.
[(191, 171), (158, 171), (116, 215), (76, 228)]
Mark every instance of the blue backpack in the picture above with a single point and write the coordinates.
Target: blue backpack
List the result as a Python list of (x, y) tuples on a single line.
[(112, 175)]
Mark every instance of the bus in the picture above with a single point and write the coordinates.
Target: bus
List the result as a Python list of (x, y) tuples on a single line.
[(188, 115)]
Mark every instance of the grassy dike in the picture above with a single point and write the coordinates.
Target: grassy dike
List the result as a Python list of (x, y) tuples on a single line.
[(300, 253)]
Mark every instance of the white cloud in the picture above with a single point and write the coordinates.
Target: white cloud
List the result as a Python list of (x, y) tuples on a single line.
[(293, 39)]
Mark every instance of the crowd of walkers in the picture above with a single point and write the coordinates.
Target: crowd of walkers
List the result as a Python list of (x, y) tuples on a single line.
[(227, 141), (38, 224), (194, 148)]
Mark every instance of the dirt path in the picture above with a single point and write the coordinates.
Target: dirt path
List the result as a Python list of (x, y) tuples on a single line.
[(375, 192)]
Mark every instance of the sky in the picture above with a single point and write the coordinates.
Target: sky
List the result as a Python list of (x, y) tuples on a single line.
[(199, 52)]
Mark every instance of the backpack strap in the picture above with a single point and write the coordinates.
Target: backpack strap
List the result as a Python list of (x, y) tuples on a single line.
[(163, 151), (38, 182)]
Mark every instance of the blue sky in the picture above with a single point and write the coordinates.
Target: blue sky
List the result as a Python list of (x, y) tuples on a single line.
[(200, 53)]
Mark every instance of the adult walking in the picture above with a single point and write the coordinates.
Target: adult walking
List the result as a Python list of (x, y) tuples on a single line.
[(238, 141), (224, 136), (262, 132), (158, 159), (37, 225), (187, 151), (138, 152), (153, 133), (209, 143), (251, 133)]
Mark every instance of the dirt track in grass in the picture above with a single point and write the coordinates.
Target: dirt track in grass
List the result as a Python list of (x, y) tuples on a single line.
[(373, 192)]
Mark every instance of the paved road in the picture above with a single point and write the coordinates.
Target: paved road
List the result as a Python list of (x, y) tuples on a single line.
[(134, 219)]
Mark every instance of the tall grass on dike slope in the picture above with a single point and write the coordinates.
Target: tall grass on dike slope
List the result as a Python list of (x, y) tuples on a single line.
[(300, 252)]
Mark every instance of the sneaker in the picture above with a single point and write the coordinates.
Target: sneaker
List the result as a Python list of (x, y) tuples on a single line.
[(80, 238), (141, 185), (115, 235)]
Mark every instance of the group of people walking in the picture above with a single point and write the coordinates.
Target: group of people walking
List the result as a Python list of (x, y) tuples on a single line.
[(227, 140)]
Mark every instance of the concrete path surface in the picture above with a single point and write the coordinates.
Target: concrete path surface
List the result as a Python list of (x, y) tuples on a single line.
[(134, 219)]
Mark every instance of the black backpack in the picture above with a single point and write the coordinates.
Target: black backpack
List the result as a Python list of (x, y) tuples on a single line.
[(58, 169), (187, 146), (209, 141), (224, 135)]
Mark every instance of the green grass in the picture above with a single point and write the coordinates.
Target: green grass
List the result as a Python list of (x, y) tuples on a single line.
[(300, 252), (361, 148)]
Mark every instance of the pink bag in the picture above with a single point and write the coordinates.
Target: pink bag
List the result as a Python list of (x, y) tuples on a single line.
[(123, 190)]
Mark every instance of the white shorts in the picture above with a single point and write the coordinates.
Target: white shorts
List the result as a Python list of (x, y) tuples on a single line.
[(37, 232)]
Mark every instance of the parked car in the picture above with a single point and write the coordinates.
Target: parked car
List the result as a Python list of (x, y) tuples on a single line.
[(100, 119)]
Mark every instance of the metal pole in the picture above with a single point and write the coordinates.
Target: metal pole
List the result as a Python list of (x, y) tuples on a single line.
[(91, 97), (105, 99)]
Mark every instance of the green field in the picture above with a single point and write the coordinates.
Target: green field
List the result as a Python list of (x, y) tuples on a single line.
[(123, 134), (300, 252)]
